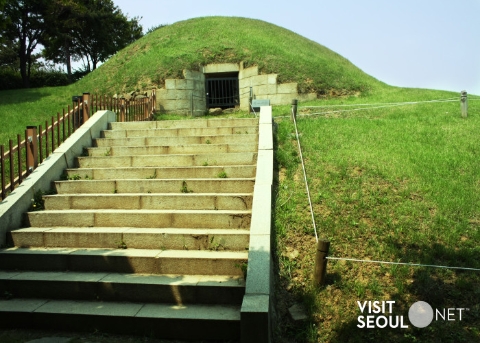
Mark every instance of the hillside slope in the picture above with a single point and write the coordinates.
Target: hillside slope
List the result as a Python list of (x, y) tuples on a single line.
[(194, 43)]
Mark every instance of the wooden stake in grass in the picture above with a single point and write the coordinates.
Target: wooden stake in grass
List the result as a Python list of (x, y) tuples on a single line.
[(321, 262), (294, 108), (464, 103)]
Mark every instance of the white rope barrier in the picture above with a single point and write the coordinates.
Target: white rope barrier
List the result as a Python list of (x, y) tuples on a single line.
[(305, 177), (367, 106), (401, 263), (344, 111), (385, 103)]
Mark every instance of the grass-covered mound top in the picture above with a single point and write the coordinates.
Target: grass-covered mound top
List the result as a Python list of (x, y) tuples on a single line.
[(193, 43)]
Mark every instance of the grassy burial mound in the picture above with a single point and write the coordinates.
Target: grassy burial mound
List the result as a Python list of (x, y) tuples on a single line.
[(191, 44), (194, 43)]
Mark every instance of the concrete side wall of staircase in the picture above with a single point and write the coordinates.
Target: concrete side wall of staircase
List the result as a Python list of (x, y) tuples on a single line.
[(13, 208), (257, 305)]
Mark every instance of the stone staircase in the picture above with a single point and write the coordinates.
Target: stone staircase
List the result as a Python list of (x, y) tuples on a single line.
[(149, 235)]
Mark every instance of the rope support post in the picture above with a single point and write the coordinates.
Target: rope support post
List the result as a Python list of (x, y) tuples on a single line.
[(464, 103), (294, 108), (320, 270)]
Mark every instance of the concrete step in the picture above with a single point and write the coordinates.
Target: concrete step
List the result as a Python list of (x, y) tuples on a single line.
[(218, 185), (181, 132), (246, 171), (132, 238), (170, 141), (169, 289), (143, 261), (187, 322), (141, 218), (181, 160), (172, 149), (141, 201), (161, 124)]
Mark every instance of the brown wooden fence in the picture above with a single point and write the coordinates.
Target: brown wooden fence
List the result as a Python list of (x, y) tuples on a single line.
[(19, 161)]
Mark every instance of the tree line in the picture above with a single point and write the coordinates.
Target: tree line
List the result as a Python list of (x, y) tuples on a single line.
[(63, 31)]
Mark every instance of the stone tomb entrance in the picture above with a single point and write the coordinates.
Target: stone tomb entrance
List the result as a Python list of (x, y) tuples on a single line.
[(222, 90), (228, 85)]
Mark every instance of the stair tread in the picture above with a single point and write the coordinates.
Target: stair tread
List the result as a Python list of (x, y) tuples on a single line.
[(199, 137), (199, 254), (196, 122), (47, 212), (217, 179), (116, 195), (194, 231), (145, 279), (167, 167), (154, 146), (238, 127), (200, 155), (123, 309)]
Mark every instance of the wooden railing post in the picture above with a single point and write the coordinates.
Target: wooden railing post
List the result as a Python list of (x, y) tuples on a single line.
[(2, 167), (12, 169), (63, 125), (153, 102), (145, 108), (31, 146), (58, 130), (122, 110), (86, 107), (53, 135), (19, 160), (40, 141)]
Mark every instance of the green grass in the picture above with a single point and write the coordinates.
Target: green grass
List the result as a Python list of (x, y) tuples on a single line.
[(394, 184), (194, 43)]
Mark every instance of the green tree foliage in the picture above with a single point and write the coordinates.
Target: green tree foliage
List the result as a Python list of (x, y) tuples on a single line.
[(88, 30), (58, 39), (24, 29), (3, 19)]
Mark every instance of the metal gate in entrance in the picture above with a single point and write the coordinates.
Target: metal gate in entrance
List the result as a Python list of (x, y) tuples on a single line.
[(222, 92)]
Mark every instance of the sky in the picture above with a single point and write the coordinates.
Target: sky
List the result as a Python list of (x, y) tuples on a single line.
[(407, 43)]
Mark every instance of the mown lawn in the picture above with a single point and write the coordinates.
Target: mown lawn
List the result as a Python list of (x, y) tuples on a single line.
[(397, 184)]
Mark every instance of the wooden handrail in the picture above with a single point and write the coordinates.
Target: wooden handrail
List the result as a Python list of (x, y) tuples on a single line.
[(32, 149)]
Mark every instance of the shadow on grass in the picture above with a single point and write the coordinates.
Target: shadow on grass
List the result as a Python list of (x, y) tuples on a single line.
[(442, 288), (19, 96)]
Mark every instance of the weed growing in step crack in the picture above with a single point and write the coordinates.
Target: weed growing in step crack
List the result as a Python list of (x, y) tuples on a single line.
[(184, 188)]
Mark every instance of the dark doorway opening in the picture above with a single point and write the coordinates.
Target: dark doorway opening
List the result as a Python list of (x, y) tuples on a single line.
[(222, 90)]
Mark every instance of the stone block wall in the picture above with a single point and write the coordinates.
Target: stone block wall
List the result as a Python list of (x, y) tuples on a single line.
[(181, 96), (265, 86)]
